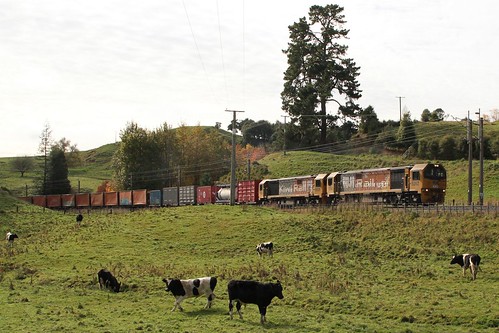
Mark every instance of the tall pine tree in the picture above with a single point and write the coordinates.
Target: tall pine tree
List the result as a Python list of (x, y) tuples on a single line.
[(319, 71)]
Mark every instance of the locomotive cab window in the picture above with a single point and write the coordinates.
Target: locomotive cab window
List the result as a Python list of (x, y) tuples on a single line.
[(318, 183), (415, 175), (434, 172)]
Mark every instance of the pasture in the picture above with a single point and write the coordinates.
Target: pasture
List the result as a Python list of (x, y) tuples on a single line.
[(350, 272)]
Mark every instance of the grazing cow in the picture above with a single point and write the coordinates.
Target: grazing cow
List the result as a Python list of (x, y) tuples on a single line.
[(471, 261), (107, 279), (252, 292), (267, 247), (79, 218), (182, 289), (10, 237)]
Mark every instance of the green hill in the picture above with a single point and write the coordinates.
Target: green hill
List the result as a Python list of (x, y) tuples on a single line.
[(96, 166), (341, 271)]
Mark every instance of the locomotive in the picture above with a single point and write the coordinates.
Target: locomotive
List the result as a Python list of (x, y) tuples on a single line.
[(412, 184), (417, 184)]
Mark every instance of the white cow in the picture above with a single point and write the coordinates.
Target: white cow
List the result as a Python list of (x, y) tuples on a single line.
[(182, 289)]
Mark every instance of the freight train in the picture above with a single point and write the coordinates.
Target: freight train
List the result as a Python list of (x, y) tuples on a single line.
[(410, 185)]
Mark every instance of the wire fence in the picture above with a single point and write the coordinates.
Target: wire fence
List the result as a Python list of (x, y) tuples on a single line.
[(457, 209)]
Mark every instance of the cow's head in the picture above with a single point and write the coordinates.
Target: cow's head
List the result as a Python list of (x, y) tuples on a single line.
[(167, 282), (457, 259), (116, 287), (277, 288)]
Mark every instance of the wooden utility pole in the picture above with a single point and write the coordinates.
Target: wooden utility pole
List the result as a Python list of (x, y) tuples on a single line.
[(400, 107), (284, 136), (470, 161), (480, 139), (233, 159)]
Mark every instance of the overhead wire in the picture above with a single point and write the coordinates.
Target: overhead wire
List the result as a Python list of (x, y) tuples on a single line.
[(199, 53), (222, 54)]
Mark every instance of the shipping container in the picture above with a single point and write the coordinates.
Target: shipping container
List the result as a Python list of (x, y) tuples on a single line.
[(126, 198), (247, 191), (170, 196), (207, 194), (40, 200), (97, 199), (26, 199), (82, 199), (187, 195), (155, 198), (68, 200), (111, 199), (139, 197)]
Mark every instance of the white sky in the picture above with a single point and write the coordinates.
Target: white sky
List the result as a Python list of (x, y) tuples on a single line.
[(87, 68)]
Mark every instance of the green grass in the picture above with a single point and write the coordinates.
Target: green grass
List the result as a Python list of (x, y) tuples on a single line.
[(342, 272)]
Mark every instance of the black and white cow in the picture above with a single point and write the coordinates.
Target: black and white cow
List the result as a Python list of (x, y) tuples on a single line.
[(471, 261), (267, 247), (182, 289), (10, 237), (107, 279), (253, 292), (79, 218)]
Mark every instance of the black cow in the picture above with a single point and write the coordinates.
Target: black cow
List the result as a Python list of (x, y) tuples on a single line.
[(107, 279), (10, 237), (182, 289), (79, 218), (253, 292), (267, 247), (471, 261)]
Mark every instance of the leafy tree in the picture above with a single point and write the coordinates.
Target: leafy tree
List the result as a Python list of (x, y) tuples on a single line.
[(71, 150), (406, 135), (437, 115), (201, 151), (426, 115), (57, 176), (423, 148), (140, 158), (257, 133), (434, 149), (494, 147), (448, 148), (369, 122), (22, 164), (386, 137), (319, 71)]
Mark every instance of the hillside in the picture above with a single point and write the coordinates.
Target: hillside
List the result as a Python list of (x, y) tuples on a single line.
[(96, 165), (348, 272)]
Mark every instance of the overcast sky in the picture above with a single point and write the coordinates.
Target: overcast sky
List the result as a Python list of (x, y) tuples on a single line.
[(87, 68)]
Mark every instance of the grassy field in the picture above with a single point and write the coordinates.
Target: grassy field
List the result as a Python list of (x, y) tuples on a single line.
[(348, 272)]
